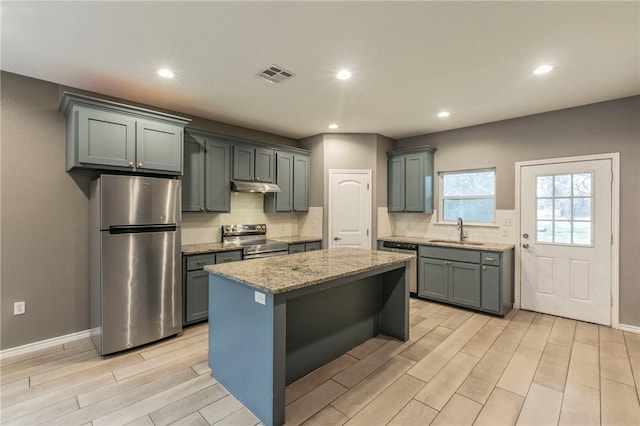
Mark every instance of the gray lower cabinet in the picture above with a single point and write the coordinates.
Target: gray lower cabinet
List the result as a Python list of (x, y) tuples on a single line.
[(206, 180), (315, 245), (196, 282), (251, 163), (111, 136), (292, 176), (304, 247), (410, 180), (472, 278)]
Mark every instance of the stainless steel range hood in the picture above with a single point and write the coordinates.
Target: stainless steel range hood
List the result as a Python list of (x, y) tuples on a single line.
[(241, 186)]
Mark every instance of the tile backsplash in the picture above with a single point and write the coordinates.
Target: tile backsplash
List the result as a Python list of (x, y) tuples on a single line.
[(198, 228), (421, 225)]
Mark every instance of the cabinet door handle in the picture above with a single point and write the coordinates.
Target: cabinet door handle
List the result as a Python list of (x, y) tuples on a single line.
[(140, 165), (489, 259), (201, 263), (202, 209), (130, 163), (484, 268)]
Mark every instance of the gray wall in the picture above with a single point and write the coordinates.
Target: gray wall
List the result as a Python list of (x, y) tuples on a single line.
[(592, 129), (45, 219), (365, 151)]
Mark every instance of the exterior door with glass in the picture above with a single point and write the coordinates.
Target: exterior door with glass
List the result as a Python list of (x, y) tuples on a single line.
[(565, 222)]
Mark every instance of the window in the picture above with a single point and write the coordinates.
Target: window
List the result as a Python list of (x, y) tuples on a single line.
[(469, 194), (564, 209)]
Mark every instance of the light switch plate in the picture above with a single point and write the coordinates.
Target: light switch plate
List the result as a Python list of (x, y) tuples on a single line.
[(260, 298)]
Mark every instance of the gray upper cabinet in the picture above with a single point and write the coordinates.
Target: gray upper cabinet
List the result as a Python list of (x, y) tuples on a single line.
[(292, 176), (300, 183), (284, 179), (206, 183), (410, 180), (253, 163), (158, 146), (111, 136), (193, 175)]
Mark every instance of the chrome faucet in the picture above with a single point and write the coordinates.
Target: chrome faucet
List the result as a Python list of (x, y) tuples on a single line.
[(461, 229)]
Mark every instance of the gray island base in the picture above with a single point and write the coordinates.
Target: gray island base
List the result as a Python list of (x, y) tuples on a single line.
[(273, 320)]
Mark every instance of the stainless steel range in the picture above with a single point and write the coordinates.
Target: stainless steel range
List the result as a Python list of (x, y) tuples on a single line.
[(253, 240)]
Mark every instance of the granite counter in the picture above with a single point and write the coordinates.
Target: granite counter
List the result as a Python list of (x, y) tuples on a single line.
[(440, 242)]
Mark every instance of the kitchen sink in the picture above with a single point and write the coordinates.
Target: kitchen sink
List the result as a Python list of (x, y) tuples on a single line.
[(466, 243)]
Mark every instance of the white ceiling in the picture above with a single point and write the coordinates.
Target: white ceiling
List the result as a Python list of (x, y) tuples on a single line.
[(409, 60)]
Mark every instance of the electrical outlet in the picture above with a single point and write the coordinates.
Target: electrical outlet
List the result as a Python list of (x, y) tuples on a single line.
[(18, 308)]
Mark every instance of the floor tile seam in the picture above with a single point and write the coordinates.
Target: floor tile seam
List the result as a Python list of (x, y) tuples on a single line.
[(330, 403), (361, 380), (48, 394), (20, 376), (400, 410), (130, 402), (382, 391), (167, 354), (618, 381), (185, 397), (160, 365), (10, 360), (314, 388), (36, 411), (80, 372)]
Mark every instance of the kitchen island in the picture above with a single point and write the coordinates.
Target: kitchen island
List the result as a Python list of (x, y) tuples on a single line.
[(273, 320)]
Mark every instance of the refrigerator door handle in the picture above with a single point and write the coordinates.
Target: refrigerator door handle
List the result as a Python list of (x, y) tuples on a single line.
[(136, 229)]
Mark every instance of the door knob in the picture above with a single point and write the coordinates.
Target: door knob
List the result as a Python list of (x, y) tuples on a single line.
[(336, 238), (525, 245)]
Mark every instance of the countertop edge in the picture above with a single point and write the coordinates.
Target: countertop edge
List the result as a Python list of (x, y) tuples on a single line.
[(213, 269), (485, 246)]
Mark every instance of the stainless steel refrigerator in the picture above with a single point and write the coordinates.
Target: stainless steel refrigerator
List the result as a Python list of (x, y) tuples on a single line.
[(135, 268)]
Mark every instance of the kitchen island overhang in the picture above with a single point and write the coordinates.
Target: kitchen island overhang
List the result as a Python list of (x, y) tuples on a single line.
[(273, 320)]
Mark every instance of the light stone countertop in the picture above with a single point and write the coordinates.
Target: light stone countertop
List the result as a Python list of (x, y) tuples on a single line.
[(469, 245), (296, 239), (209, 248), (280, 274)]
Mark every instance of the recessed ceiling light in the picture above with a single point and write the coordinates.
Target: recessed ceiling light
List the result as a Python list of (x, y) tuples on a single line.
[(344, 75), (166, 73), (333, 126), (543, 69), (444, 114)]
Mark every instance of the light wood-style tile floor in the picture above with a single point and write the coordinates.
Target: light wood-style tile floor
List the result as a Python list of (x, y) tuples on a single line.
[(458, 368)]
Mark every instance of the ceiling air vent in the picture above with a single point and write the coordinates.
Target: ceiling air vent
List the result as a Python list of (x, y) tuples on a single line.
[(275, 74)]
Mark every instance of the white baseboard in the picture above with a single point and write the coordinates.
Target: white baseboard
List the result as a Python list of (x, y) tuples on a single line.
[(629, 328), (35, 346)]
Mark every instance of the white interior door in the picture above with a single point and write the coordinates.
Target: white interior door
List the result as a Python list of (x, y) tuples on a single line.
[(350, 208), (566, 239)]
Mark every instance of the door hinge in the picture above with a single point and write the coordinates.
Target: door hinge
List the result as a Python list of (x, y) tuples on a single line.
[(367, 232), (367, 186), (611, 177)]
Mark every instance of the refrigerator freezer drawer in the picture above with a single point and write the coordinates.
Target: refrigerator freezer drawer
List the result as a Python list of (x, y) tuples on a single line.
[(141, 288), (135, 200)]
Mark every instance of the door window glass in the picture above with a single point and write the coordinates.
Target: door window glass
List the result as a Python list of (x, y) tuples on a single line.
[(564, 209)]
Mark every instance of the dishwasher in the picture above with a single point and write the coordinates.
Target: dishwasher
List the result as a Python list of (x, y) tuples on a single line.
[(406, 248)]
